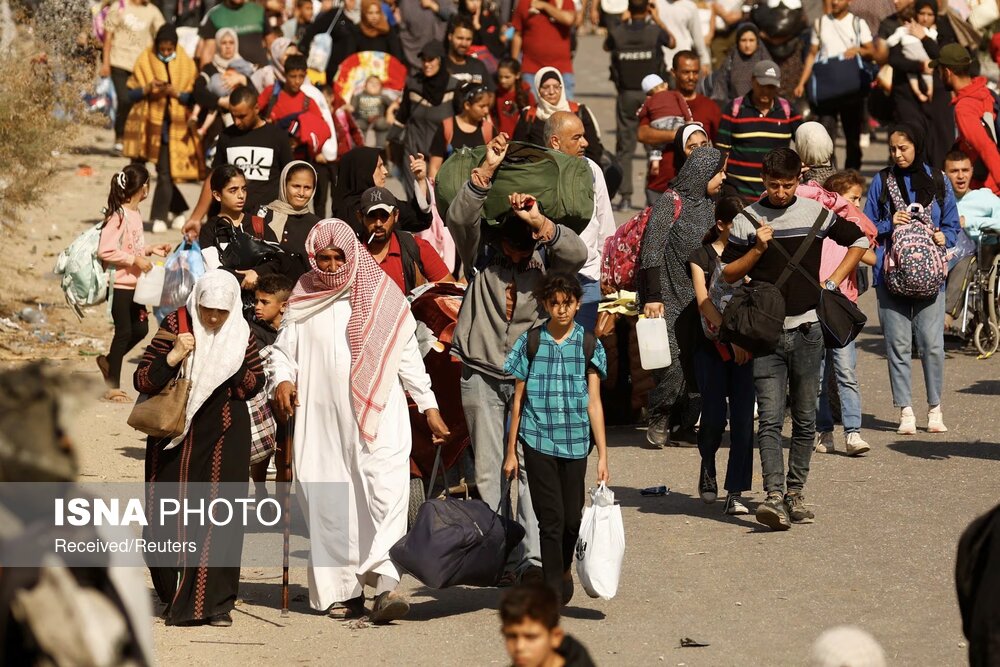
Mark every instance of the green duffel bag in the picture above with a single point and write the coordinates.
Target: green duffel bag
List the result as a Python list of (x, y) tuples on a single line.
[(563, 185)]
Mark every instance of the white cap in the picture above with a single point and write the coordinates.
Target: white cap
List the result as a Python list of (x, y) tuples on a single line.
[(651, 81)]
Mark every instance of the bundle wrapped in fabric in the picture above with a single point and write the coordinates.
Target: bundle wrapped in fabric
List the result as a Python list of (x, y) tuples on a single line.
[(562, 184)]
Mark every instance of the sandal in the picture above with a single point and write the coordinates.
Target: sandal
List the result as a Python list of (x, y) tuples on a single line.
[(116, 396), (104, 366), (343, 611)]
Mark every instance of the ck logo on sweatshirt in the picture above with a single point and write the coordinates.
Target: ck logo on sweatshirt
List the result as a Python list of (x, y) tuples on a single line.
[(581, 549), (255, 161)]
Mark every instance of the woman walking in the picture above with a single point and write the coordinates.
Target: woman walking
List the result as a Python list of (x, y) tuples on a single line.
[(210, 344), (911, 192), (665, 288)]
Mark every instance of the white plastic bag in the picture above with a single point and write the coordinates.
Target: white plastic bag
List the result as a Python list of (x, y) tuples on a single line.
[(149, 287), (600, 549)]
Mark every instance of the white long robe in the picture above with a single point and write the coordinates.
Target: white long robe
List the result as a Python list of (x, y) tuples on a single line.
[(315, 355)]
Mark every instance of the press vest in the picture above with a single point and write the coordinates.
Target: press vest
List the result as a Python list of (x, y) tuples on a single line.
[(636, 54)]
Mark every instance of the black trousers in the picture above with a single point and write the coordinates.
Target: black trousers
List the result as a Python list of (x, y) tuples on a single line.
[(119, 79), (167, 197), (326, 181), (131, 326), (850, 111), (626, 134), (557, 488)]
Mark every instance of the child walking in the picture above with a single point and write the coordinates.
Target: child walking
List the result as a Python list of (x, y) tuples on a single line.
[(123, 246), (513, 94), (271, 303), (552, 422), (723, 371)]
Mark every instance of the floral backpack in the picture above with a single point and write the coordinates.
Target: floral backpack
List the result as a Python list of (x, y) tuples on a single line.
[(620, 256), (914, 266)]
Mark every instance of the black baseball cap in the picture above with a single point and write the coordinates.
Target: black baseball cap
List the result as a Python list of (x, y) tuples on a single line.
[(431, 50), (378, 199)]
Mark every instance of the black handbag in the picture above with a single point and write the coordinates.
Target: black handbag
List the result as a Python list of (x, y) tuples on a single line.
[(840, 318), (456, 542), (242, 251)]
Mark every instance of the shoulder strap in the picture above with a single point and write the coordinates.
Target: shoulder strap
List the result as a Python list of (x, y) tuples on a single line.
[(533, 343), (272, 100), (793, 260), (589, 346), (737, 105), (183, 320), (336, 18), (409, 253), (786, 107), (448, 126), (574, 107)]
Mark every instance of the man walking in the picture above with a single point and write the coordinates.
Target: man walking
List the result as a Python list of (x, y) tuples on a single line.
[(972, 102), (458, 63), (564, 133), (636, 51)]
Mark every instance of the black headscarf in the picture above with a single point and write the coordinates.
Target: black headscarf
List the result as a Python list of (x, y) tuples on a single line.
[(920, 181), (354, 176), (919, 4), (433, 88)]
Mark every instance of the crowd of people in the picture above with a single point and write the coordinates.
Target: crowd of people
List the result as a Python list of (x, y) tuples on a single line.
[(303, 239)]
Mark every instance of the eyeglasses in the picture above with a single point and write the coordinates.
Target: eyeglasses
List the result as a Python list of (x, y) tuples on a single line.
[(550, 88)]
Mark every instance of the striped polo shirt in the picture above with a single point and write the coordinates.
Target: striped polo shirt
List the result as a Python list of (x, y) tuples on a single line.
[(748, 135)]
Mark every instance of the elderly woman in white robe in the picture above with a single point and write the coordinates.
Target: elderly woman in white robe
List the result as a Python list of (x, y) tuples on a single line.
[(345, 352)]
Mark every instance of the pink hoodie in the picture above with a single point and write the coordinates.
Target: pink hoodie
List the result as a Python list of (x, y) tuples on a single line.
[(833, 252), (121, 242)]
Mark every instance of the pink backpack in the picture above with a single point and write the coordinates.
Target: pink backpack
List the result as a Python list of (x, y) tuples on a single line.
[(914, 264), (621, 251)]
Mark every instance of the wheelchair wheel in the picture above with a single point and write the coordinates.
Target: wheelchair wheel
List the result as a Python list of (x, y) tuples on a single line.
[(987, 338)]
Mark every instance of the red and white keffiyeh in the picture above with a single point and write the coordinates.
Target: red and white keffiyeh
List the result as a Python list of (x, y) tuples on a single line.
[(379, 326)]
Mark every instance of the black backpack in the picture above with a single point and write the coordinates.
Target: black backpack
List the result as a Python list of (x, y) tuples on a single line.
[(535, 340), (755, 316), (409, 253)]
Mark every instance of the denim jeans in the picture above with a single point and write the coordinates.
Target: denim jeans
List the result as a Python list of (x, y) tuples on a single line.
[(843, 363), (487, 402), (586, 317), (903, 319), (791, 371), (719, 380)]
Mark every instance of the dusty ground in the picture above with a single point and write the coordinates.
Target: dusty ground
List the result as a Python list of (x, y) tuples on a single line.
[(881, 554)]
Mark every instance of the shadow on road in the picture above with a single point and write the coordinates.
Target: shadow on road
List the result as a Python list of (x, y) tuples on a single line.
[(983, 387), (679, 504), (451, 602), (935, 450)]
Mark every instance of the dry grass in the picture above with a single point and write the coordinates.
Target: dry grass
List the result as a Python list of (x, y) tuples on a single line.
[(47, 64)]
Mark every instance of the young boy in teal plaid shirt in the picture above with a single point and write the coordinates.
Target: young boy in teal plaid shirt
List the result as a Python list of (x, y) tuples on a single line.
[(558, 369)]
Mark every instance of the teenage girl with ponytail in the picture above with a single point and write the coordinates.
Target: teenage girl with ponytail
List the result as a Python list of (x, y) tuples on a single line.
[(123, 247)]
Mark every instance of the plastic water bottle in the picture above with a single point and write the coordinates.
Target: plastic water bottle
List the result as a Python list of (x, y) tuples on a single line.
[(654, 346)]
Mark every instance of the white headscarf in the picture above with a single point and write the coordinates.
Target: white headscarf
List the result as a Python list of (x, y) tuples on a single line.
[(219, 354), (544, 108)]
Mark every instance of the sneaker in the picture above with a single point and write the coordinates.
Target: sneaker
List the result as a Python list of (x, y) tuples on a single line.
[(159, 226), (708, 488), (772, 512), (178, 222), (855, 445), (796, 504), (824, 443), (935, 420), (658, 433), (907, 422), (865, 140), (223, 620), (118, 147), (734, 505)]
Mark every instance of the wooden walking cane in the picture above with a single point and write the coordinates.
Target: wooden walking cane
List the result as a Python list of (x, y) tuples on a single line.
[(286, 508)]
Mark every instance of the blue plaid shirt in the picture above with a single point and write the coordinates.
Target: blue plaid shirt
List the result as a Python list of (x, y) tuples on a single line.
[(554, 418)]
